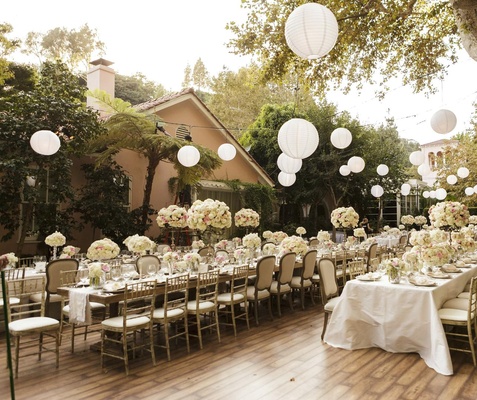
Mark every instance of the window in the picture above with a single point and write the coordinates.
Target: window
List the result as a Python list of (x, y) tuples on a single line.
[(182, 131)]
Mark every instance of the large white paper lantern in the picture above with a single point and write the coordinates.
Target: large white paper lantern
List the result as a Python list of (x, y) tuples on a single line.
[(426, 194), (451, 179), (286, 179), (227, 151), (406, 187), (382, 169), (356, 164), (311, 31), (377, 190), (188, 156), (432, 194), (288, 164), (344, 170), (45, 142), (441, 194), (443, 121), (298, 138), (416, 157), (341, 138), (423, 170), (469, 191), (463, 172)]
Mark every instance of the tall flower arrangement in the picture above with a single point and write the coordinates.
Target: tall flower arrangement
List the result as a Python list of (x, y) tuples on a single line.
[(102, 249), (246, 218), (344, 218), (323, 236), (407, 220), (251, 241), (449, 215), (420, 220), (295, 244), (139, 244), (278, 236), (172, 217), (209, 214)]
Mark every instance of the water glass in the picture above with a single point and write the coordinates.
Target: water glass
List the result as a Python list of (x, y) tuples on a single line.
[(152, 270)]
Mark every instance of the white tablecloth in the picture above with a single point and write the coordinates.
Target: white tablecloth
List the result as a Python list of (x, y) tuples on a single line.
[(387, 241), (398, 318)]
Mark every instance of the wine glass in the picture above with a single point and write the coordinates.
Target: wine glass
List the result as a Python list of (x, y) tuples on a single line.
[(151, 270), (127, 271), (116, 273), (83, 275)]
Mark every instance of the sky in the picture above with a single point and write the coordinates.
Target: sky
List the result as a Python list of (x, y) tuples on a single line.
[(160, 38)]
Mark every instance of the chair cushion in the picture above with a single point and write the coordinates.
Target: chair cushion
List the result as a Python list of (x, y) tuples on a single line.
[(36, 298), (459, 303), (283, 288), (94, 307), (32, 324), (453, 314), (227, 297), (131, 321), (315, 278), (464, 295), (158, 313), (331, 303), (262, 294), (203, 305), (12, 300), (296, 282)]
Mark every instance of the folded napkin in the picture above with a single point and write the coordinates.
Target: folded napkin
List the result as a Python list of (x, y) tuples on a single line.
[(80, 309)]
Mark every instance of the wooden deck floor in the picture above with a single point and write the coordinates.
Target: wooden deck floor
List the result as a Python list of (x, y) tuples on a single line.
[(280, 359)]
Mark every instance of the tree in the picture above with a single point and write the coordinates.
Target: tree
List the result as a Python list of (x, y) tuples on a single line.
[(130, 129), (137, 88), (377, 41), (73, 47), (7, 46), (56, 103), (186, 83), (200, 76)]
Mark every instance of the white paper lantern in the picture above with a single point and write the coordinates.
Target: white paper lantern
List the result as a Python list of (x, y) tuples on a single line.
[(423, 170), (441, 194), (432, 194), (469, 191), (298, 138), (463, 172), (475, 189), (288, 164), (377, 190), (356, 164), (451, 179), (382, 169), (45, 142), (406, 187), (443, 121), (311, 31), (416, 157), (344, 170), (341, 138), (426, 194), (31, 181), (227, 151), (286, 179), (188, 156)]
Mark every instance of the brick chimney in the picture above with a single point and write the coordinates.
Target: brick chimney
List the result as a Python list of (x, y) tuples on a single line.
[(100, 76)]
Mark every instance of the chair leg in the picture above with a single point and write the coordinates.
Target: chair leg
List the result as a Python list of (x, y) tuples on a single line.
[(279, 309), (471, 343), (17, 354), (302, 296), (269, 301), (57, 342), (232, 314), (199, 331), (255, 310), (125, 352), (290, 302), (325, 323)]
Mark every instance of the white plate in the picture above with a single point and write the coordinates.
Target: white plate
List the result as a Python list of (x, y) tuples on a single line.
[(368, 278), (114, 287)]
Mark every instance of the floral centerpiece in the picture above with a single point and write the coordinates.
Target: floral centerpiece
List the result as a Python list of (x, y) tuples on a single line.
[(473, 219), (420, 220), (192, 260), (96, 271), (139, 244), (394, 232), (300, 231), (221, 244), (269, 249), (251, 241), (68, 251), (246, 218), (407, 220), (420, 238), (209, 214), (197, 244), (411, 258), (237, 241), (54, 240), (401, 227), (344, 218), (449, 215), (172, 217), (323, 236), (278, 236), (295, 244), (386, 228), (267, 235), (102, 249), (11, 259), (438, 236), (359, 233), (240, 255), (393, 268), (436, 255), (171, 256)]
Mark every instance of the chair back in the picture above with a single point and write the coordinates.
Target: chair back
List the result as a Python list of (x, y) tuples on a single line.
[(371, 254), (31, 292), (472, 310), (206, 251), (313, 242), (138, 300), (53, 271), (286, 268), (239, 281), (402, 241), (26, 262), (70, 278), (176, 296), (143, 262), (265, 268), (14, 273), (328, 283), (309, 264), (355, 268)]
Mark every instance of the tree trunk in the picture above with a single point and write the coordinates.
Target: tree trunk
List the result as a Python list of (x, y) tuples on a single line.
[(465, 12), (26, 217), (151, 172)]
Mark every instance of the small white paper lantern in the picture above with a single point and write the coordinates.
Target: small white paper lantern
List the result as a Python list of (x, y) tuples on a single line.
[(432, 194), (451, 179), (469, 191), (341, 138), (356, 164), (227, 151), (463, 172), (475, 189), (286, 179), (188, 156), (45, 142), (382, 169), (31, 181), (288, 164), (298, 138), (426, 194), (344, 170), (423, 170), (377, 190), (405, 187), (416, 157), (311, 31), (441, 194), (443, 121)]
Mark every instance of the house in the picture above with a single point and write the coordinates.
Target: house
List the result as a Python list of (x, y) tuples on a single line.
[(435, 157)]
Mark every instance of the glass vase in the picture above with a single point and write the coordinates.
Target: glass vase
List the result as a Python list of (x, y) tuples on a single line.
[(394, 276)]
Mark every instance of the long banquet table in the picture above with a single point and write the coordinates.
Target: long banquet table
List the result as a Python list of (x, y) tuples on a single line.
[(399, 318)]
